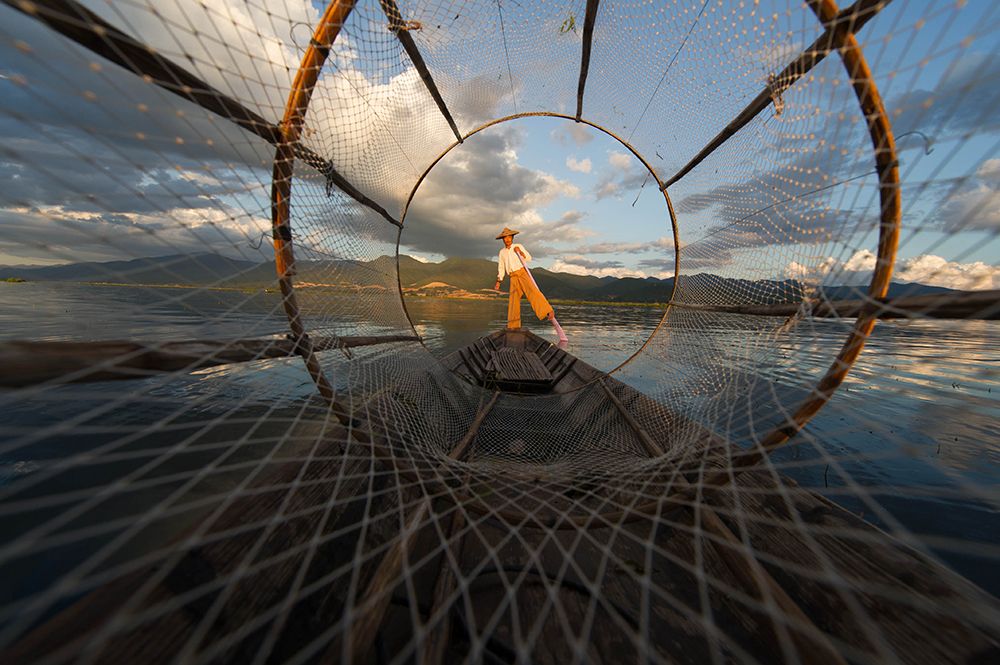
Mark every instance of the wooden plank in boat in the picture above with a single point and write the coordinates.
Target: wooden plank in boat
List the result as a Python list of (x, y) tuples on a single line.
[(513, 365)]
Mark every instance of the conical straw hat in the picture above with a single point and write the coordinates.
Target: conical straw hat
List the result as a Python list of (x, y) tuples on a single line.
[(507, 232)]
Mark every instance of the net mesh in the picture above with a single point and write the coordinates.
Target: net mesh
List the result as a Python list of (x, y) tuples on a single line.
[(228, 502)]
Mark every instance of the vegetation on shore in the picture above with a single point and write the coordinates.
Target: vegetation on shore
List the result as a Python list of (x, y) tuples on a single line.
[(501, 295), (409, 292), (239, 289), (458, 278), (14, 280), (608, 303)]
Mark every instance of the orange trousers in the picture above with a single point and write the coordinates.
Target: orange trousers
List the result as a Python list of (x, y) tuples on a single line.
[(521, 284)]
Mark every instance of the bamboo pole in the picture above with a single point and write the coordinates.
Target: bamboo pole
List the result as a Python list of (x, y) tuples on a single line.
[(28, 363), (653, 449), (74, 21), (326, 32), (463, 445)]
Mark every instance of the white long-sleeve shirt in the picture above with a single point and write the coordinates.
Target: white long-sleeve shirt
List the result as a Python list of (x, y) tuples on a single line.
[(508, 261)]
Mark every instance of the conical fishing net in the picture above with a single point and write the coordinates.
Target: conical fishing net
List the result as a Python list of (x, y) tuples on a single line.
[(231, 443)]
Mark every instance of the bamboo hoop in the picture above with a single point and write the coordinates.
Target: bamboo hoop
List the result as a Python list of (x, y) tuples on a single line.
[(880, 130), (674, 228), (887, 167)]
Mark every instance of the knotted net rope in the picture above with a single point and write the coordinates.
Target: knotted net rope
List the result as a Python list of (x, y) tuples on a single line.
[(307, 481)]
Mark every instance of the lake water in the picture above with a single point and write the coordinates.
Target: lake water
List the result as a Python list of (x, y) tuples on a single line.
[(910, 440)]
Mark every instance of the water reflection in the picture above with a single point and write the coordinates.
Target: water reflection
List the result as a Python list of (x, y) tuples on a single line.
[(604, 336), (912, 432)]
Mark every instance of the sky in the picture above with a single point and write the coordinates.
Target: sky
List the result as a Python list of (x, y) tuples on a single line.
[(96, 165), (571, 194)]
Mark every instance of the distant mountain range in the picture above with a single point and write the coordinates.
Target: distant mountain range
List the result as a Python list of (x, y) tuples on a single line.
[(452, 276)]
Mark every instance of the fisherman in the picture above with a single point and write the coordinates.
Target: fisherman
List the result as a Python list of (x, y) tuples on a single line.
[(513, 260)]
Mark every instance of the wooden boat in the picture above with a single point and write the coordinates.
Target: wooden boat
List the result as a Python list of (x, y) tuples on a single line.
[(475, 564), (499, 545)]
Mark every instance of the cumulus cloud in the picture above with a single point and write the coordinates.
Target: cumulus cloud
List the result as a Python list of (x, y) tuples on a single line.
[(215, 39), (620, 160), (480, 188), (95, 145), (926, 269), (811, 273), (937, 271), (76, 199), (626, 174), (863, 260), (975, 206), (581, 265), (572, 134), (565, 229), (245, 50), (658, 245), (101, 165), (965, 99), (473, 101), (579, 165), (607, 188), (54, 232)]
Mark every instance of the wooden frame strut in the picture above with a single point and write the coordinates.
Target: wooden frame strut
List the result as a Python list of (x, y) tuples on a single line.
[(588, 37), (402, 29), (837, 33)]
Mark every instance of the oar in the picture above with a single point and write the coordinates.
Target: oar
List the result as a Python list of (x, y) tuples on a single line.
[(555, 323)]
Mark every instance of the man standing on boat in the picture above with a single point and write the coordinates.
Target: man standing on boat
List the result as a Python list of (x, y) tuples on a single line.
[(513, 260)]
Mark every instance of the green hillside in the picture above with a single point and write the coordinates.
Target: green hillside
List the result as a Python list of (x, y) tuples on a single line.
[(466, 274)]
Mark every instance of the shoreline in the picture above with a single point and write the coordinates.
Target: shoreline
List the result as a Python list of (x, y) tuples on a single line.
[(274, 289)]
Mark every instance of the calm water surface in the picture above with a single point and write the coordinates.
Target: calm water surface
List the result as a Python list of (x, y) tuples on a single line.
[(910, 441)]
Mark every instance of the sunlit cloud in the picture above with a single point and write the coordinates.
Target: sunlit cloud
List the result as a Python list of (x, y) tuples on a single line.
[(620, 160), (657, 245), (625, 174), (937, 271), (572, 134), (924, 269), (975, 207), (579, 165), (480, 188), (565, 229), (965, 99), (581, 265), (47, 232)]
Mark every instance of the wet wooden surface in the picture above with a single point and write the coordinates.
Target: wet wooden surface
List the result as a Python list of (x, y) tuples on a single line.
[(512, 365)]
